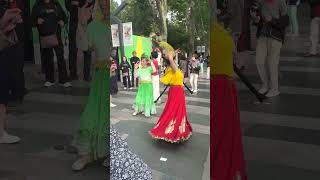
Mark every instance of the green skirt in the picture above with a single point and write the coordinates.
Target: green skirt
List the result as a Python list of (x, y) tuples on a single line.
[(92, 135), (144, 100)]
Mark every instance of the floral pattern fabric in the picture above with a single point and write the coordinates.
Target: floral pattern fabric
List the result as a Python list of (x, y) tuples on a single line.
[(124, 164)]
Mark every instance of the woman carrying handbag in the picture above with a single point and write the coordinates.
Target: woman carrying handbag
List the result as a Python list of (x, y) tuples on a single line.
[(49, 17)]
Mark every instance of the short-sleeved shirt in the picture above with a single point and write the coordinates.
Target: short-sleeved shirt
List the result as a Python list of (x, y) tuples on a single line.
[(145, 74)]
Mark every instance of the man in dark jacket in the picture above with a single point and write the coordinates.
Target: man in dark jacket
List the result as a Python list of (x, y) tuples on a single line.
[(72, 6), (314, 27), (49, 18), (271, 19)]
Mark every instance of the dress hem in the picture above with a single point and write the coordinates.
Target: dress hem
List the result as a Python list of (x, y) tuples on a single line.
[(179, 140)]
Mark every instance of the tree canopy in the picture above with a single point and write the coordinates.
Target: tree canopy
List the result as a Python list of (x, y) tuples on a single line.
[(187, 20)]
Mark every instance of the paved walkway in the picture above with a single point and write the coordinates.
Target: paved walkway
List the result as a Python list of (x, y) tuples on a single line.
[(186, 161), (281, 136)]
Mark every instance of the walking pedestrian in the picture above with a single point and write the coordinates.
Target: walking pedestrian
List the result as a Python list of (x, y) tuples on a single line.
[(271, 18), (194, 67), (49, 17), (208, 67)]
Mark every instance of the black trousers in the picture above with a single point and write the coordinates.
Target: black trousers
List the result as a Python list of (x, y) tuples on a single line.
[(73, 51), (126, 81), (47, 57), (86, 65), (15, 55)]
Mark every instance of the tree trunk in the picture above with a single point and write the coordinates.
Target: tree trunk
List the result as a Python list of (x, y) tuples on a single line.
[(163, 11)]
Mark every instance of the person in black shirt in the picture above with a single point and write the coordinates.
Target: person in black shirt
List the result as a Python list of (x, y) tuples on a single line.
[(72, 6), (49, 17), (134, 60), (125, 67)]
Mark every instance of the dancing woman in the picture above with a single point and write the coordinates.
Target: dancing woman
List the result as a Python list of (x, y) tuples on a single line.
[(92, 136), (144, 101), (227, 161), (173, 125)]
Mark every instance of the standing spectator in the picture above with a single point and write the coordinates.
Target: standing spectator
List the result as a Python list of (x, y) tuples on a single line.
[(8, 20), (72, 6), (16, 55), (125, 68), (314, 28), (194, 72), (49, 18), (133, 61), (113, 81), (155, 77), (183, 64), (271, 18), (294, 25)]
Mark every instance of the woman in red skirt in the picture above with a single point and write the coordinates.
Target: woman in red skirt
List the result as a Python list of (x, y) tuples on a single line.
[(227, 161), (173, 125)]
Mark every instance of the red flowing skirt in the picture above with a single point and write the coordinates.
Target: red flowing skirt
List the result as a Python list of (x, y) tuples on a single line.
[(227, 159), (173, 125)]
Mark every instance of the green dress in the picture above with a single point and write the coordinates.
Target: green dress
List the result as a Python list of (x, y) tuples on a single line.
[(92, 135), (144, 98)]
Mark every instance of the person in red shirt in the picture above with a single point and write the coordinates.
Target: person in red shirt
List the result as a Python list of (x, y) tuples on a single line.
[(155, 77)]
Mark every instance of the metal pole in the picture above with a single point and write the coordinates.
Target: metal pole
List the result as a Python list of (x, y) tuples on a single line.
[(120, 26)]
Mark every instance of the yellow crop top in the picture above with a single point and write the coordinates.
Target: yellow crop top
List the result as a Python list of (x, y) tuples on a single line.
[(171, 78), (221, 48)]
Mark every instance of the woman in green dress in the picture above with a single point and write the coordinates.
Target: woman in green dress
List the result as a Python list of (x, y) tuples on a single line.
[(92, 136), (144, 98)]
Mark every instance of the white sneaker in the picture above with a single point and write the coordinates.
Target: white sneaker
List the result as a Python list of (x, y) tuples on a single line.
[(67, 84), (130, 88), (263, 90), (8, 139), (112, 105), (134, 113), (272, 93), (124, 88), (48, 84), (195, 90)]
